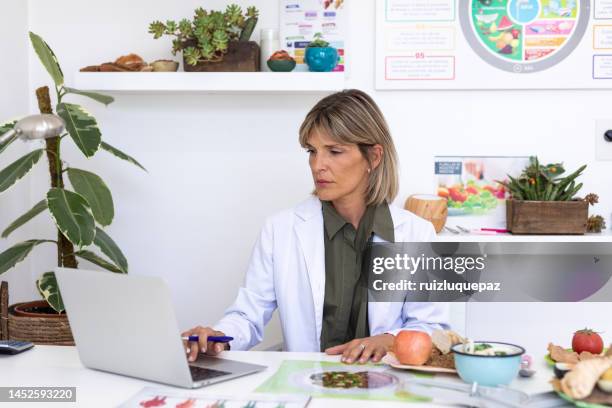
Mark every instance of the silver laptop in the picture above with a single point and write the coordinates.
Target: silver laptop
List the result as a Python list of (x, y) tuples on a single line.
[(126, 325)]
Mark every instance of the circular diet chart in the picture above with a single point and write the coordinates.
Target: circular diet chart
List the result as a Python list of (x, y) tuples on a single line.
[(524, 36)]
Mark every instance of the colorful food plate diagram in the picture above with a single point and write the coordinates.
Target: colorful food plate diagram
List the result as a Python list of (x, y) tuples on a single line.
[(524, 36)]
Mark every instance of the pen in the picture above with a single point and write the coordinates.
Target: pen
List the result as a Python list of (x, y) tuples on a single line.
[(217, 339), (497, 230)]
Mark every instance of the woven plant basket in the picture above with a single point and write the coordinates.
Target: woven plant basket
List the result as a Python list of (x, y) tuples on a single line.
[(39, 328)]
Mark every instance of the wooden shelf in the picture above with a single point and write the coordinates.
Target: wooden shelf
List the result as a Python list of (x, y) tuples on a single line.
[(210, 82), (605, 236)]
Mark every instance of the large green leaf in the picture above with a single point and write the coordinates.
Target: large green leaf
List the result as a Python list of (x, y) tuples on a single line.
[(97, 194), (5, 127), (110, 249), (97, 260), (18, 253), (82, 127), (47, 58), (49, 289), (19, 168), (105, 99), (33, 212), (72, 216), (120, 154)]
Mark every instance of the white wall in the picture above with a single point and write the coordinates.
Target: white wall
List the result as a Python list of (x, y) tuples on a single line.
[(218, 164), (14, 104)]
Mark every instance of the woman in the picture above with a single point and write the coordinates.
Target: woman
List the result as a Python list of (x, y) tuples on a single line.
[(307, 261)]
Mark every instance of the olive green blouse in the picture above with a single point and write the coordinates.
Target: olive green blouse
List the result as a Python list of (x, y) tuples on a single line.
[(345, 306)]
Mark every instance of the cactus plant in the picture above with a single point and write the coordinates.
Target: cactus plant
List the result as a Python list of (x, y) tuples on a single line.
[(249, 25), (544, 183), (207, 36)]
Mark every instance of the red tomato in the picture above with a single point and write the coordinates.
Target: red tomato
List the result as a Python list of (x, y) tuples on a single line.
[(587, 340)]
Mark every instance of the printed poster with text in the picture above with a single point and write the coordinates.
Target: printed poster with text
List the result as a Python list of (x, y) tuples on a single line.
[(300, 20), (493, 44), (470, 185)]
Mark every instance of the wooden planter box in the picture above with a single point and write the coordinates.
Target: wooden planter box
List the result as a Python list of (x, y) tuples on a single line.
[(242, 56), (547, 217)]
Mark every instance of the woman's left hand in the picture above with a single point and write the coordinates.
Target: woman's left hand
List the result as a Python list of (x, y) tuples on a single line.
[(362, 350)]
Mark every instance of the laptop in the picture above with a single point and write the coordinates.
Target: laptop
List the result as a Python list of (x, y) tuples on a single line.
[(125, 324)]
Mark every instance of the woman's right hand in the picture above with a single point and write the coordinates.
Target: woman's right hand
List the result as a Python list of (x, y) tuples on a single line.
[(211, 348)]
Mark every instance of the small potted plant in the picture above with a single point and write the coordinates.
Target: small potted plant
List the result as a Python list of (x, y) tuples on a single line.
[(320, 57), (214, 41), (544, 202), (281, 61)]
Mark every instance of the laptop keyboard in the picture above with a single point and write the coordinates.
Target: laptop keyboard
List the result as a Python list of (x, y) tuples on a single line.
[(200, 374)]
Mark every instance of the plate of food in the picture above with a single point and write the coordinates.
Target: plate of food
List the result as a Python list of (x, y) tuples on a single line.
[(587, 384), (392, 360), (583, 373), (418, 351), (586, 345)]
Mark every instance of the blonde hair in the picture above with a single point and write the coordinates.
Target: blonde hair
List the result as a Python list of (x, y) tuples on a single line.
[(352, 117)]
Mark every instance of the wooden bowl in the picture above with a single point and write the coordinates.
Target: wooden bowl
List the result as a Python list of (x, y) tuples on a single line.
[(430, 207), (165, 66)]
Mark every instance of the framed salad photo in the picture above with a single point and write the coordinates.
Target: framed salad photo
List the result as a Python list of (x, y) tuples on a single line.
[(470, 184)]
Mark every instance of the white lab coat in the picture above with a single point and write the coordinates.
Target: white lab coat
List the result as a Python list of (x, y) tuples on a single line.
[(287, 272)]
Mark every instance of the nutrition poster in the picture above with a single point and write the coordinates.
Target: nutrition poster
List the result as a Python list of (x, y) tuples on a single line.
[(470, 185), (493, 44), (300, 20)]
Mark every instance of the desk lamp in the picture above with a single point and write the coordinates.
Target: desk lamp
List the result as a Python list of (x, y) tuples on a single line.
[(35, 127)]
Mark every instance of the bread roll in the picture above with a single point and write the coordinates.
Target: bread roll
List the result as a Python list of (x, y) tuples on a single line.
[(445, 339), (580, 381), (130, 60)]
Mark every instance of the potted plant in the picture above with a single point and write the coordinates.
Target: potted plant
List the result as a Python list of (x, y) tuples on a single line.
[(80, 213), (214, 40), (281, 61), (544, 202), (320, 57)]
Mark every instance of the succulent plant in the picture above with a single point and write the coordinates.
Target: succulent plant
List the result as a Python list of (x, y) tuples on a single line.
[(544, 183), (596, 223), (210, 30), (591, 198), (318, 42)]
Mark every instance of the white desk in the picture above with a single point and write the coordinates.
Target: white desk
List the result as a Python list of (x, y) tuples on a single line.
[(60, 366)]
